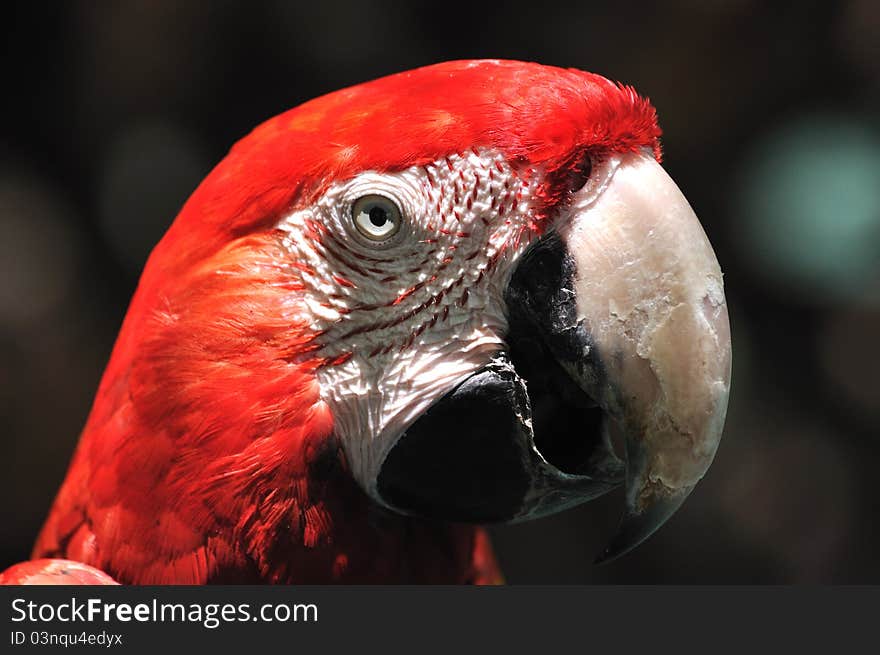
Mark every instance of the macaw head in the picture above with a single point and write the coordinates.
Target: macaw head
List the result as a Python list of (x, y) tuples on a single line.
[(482, 271)]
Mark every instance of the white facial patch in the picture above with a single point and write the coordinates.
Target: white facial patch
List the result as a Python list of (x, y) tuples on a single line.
[(402, 322)]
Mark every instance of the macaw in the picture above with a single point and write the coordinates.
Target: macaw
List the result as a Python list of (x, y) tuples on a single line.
[(390, 316)]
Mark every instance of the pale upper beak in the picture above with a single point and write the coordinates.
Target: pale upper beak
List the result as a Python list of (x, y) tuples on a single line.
[(650, 293)]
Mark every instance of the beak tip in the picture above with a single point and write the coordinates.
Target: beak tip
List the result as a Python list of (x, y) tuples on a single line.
[(606, 556), (636, 527)]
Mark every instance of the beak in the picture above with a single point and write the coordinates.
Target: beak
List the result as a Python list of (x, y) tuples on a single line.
[(617, 323), (643, 300)]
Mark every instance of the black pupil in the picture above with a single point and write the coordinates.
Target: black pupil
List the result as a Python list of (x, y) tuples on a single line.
[(378, 216)]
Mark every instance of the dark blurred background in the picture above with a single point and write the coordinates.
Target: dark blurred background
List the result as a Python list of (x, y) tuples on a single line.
[(114, 111)]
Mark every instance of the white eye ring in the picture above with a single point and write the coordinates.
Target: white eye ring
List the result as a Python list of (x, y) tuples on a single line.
[(376, 217)]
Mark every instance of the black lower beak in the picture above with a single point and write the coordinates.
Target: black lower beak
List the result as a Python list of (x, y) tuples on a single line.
[(473, 455)]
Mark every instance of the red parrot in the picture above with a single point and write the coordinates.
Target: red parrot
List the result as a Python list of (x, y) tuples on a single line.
[(391, 315)]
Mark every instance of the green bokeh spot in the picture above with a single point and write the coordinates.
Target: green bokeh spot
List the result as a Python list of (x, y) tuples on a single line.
[(810, 205)]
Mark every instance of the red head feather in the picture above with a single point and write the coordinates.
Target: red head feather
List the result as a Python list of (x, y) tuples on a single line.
[(537, 115)]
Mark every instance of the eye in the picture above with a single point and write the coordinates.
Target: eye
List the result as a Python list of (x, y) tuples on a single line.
[(376, 217)]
